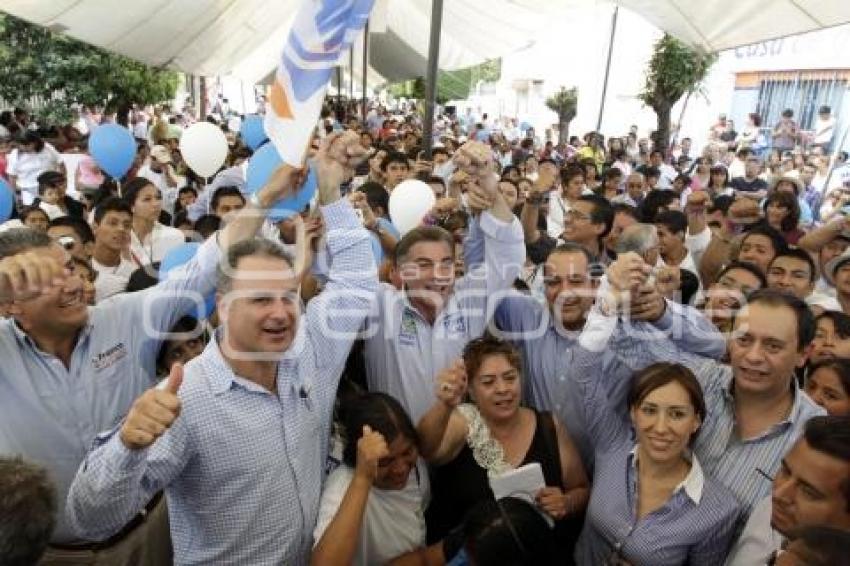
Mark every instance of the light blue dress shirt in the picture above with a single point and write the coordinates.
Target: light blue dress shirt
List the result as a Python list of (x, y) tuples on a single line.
[(548, 356), (734, 462), (404, 352), (50, 414), (242, 467)]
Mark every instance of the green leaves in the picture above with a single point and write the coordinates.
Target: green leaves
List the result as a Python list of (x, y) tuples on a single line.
[(564, 104), (673, 70), (62, 71)]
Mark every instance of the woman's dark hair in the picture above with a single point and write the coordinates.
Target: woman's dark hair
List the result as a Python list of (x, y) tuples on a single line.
[(107, 189), (654, 201), (660, 374), (789, 201), (130, 191), (756, 119), (477, 350), (31, 138), (717, 170), (380, 412), (508, 532)]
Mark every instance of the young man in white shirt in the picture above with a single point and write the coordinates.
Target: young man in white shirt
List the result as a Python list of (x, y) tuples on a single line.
[(113, 222)]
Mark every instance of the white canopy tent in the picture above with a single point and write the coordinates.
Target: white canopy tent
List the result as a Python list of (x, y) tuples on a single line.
[(218, 37)]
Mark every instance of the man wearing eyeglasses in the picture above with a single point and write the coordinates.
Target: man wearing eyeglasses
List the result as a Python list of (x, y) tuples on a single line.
[(811, 489), (635, 191)]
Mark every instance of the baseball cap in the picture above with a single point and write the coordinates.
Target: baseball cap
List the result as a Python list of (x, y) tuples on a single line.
[(161, 154), (833, 265)]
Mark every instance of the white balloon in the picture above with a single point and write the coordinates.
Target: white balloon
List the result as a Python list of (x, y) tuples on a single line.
[(410, 201), (204, 148)]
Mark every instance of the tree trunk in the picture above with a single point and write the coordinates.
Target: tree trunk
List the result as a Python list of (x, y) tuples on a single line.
[(662, 133), (563, 130)]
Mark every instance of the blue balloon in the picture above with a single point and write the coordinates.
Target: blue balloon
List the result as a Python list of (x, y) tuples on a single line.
[(113, 148), (253, 132), (263, 163), (180, 256), (7, 200)]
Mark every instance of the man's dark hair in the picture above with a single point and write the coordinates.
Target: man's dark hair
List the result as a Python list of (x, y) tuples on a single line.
[(721, 203), (207, 225), (611, 173), (822, 545), (376, 196), (655, 201), (112, 204), (508, 531), (623, 208), (802, 312), (752, 268), (78, 225), (797, 253), (187, 190), (27, 511), (422, 234), (831, 435), (764, 229), (394, 157), (840, 321), (441, 150), (602, 212), (674, 220), (650, 171), (226, 191)]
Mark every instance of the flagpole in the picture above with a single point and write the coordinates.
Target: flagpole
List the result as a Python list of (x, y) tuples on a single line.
[(607, 67), (431, 78), (365, 68)]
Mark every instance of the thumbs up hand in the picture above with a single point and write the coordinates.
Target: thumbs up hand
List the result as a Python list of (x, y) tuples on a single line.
[(153, 412)]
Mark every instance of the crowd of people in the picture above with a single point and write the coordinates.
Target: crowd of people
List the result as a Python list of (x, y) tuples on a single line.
[(596, 351)]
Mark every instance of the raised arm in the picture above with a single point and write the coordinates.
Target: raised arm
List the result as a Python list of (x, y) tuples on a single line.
[(338, 312), (442, 430), (337, 540)]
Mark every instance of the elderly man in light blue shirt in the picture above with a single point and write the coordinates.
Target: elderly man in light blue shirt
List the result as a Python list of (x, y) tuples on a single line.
[(418, 330), (70, 371), (239, 446)]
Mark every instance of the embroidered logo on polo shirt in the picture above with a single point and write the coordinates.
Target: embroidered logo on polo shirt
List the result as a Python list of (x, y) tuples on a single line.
[(454, 324), (407, 334), (109, 357)]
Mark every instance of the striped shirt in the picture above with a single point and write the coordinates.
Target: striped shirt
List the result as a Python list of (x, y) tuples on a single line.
[(695, 526), (741, 465), (548, 351), (242, 467)]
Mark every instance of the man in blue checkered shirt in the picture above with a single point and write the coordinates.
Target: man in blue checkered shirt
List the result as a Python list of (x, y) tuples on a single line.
[(238, 444)]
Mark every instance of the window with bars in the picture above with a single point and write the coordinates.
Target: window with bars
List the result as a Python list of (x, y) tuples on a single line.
[(803, 96)]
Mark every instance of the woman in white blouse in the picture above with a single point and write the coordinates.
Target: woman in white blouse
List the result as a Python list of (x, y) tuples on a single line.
[(372, 507), (149, 240), (30, 159)]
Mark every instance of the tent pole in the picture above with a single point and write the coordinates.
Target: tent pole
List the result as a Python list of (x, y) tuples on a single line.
[(607, 66), (431, 78), (835, 153), (365, 68), (338, 89), (351, 73)]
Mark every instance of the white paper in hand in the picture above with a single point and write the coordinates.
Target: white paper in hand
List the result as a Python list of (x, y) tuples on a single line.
[(523, 482)]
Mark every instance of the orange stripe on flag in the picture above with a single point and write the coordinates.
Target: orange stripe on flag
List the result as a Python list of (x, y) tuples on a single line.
[(279, 101)]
